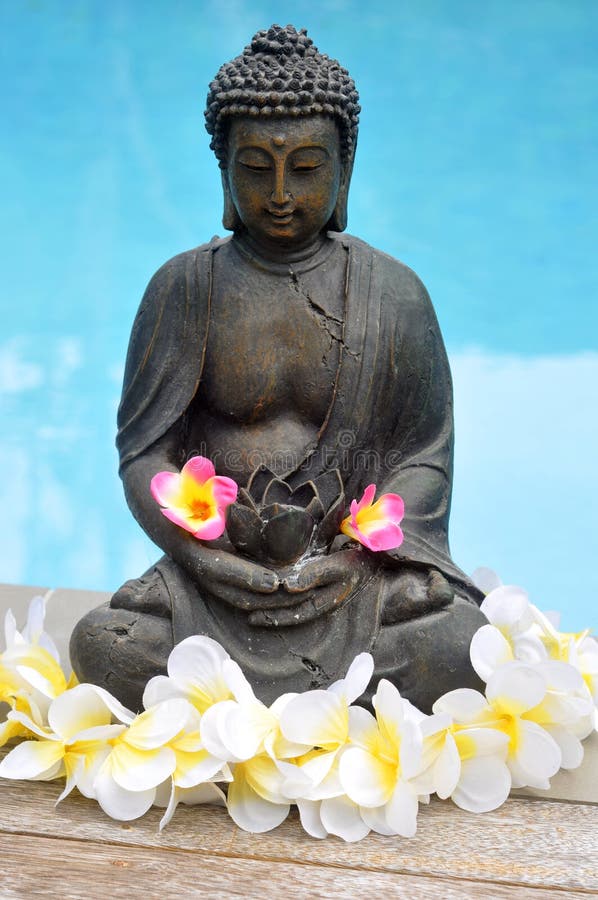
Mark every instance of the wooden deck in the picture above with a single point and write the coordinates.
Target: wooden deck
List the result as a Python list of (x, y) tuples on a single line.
[(530, 847)]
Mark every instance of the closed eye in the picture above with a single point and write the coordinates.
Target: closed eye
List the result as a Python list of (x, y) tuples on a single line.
[(256, 167), (306, 168)]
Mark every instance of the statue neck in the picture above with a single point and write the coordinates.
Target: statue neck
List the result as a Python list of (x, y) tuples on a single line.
[(274, 257)]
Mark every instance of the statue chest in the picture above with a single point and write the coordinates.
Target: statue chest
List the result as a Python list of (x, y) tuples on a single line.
[(272, 347)]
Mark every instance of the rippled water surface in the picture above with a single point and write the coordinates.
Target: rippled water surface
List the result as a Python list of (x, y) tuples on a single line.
[(477, 165)]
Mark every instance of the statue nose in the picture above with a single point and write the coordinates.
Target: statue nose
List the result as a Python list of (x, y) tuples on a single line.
[(281, 197), (280, 193)]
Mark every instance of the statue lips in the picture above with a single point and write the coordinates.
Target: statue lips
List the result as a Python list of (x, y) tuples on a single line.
[(281, 217)]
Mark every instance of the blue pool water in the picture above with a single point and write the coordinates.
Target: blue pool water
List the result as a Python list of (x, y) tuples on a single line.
[(477, 165)]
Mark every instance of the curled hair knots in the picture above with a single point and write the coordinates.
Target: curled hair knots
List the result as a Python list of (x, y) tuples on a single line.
[(282, 73)]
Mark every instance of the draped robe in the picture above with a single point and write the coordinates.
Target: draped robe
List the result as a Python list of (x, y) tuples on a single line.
[(390, 421)]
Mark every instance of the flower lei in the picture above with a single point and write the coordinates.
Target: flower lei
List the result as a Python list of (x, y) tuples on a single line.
[(348, 772)]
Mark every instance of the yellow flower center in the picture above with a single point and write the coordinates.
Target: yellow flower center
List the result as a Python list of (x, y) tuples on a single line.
[(504, 722), (387, 750), (509, 725), (558, 643), (466, 746), (200, 509)]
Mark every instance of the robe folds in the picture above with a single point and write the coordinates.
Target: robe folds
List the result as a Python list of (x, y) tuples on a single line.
[(390, 421)]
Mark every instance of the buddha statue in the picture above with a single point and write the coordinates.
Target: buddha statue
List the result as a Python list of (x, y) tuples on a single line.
[(307, 365)]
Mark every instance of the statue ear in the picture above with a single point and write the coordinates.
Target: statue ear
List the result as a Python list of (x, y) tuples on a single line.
[(338, 219), (230, 216)]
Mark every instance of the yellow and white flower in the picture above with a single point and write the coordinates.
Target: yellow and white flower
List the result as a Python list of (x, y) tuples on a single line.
[(324, 720), (465, 762), (533, 756), (568, 662), (583, 654), (247, 733), (509, 635), (471, 768), (168, 796), (566, 711), (518, 630), (195, 673), (76, 743), (161, 745), (30, 672), (578, 649), (376, 771), (334, 815)]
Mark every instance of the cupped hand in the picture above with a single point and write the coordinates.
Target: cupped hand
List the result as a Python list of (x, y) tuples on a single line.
[(235, 580), (317, 587)]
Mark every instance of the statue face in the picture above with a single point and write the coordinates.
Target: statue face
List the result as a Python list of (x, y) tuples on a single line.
[(284, 176)]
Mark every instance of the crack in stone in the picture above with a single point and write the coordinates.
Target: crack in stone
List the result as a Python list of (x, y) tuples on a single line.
[(321, 311), (324, 317), (313, 304), (320, 677)]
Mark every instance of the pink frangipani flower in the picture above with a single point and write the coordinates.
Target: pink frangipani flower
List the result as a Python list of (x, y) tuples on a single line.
[(375, 525), (196, 498)]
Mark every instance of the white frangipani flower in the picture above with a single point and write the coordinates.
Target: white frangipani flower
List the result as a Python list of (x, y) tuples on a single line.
[(323, 720), (168, 796), (334, 815), (34, 631), (247, 733), (465, 762), (30, 672), (195, 673), (507, 607), (578, 649), (76, 743), (22, 698), (569, 662), (515, 688), (485, 579), (518, 630), (376, 770), (509, 634), (255, 800), (583, 654), (566, 711), (161, 744)]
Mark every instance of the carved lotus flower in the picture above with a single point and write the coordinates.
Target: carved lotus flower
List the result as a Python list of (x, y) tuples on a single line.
[(274, 523)]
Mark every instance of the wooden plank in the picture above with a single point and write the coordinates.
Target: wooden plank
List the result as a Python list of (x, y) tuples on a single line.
[(533, 842), (80, 870)]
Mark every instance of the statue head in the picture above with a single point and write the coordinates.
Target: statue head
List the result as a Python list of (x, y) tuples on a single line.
[(282, 76)]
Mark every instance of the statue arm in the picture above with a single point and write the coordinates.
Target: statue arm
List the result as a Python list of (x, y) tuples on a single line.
[(225, 575), (420, 451), (419, 457), (161, 376)]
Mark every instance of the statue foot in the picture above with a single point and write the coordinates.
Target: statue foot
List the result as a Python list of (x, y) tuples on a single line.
[(411, 592), (146, 594), (120, 650)]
